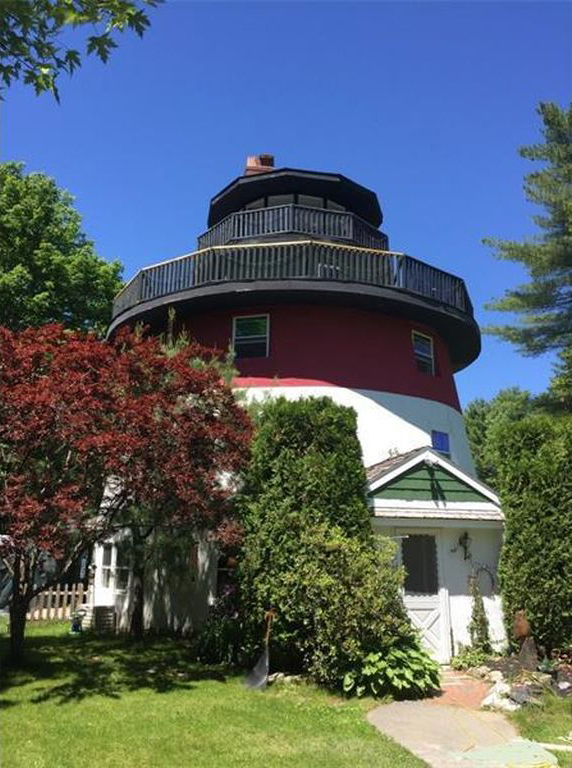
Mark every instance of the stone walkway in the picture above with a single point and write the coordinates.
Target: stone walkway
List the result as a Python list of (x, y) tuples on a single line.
[(437, 730)]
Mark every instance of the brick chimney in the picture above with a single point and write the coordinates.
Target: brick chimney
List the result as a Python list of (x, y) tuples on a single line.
[(258, 164)]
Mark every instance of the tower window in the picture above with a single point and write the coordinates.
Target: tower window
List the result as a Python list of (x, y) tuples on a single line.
[(423, 351), (250, 336), (440, 442)]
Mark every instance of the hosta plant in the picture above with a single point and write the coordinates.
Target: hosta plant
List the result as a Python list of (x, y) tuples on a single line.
[(406, 672)]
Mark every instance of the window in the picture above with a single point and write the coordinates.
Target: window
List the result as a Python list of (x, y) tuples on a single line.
[(280, 200), (259, 203), (440, 442), (423, 351), (333, 206), (121, 567), (115, 567), (250, 336), (311, 201), (419, 556), (106, 565)]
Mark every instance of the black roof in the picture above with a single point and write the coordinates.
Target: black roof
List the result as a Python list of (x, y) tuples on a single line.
[(282, 181)]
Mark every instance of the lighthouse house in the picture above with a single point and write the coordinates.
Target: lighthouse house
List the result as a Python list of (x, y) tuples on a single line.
[(296, 276)]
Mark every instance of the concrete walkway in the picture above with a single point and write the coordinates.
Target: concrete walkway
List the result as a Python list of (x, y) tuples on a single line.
[(437, 730)]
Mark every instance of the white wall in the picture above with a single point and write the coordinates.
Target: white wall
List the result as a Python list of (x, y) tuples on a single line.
[(485, 549), (388, 422), (454, 573), (177, 595)]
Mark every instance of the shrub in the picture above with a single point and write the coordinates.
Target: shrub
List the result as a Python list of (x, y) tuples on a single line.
[(469, 657), (404, 672), (535, 482), (218, 639), (309, 551), (479, 624)]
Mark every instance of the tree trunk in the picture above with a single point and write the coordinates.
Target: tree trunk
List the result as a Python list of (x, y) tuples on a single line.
[(137, 628), (18, 609)]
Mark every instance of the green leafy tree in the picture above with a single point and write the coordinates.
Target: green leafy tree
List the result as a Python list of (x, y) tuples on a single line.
[(483, 419), (535, 484), (309, 550), (31, 35), (49, 270), (544, 304)]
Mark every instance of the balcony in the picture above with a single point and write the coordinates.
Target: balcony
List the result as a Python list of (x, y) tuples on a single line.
[(298, 261), (293, 220)]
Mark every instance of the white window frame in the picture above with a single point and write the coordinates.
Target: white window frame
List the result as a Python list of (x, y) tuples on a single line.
[(250, 317), (425, 357), (112, 569)]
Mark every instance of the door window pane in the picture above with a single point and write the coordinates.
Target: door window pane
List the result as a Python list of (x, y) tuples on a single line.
[(419, 556)]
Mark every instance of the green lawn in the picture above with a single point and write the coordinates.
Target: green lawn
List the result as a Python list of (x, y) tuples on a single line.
[(106, 702), (547, 723)]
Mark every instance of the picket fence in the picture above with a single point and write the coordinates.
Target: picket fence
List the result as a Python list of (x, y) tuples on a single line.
[(58, 602)]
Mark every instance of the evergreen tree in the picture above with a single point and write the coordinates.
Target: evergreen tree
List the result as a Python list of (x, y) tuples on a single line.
[(483, 419), (544, 304), (309, 550), (534, 480)]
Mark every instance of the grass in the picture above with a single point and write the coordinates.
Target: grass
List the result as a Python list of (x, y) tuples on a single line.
[(547, 723), (105, 701)]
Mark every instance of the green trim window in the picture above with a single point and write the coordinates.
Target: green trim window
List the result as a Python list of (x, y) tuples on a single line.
[(423, 353), (250, 337)]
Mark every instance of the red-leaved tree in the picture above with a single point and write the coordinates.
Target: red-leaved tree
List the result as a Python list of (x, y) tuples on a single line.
[(159, 430)]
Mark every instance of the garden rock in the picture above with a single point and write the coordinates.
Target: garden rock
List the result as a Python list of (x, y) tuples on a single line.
[(525, 694), (499, 699), (528, 655)]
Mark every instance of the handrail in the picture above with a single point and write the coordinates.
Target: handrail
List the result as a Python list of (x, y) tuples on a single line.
[(294, 260), (293, 219)]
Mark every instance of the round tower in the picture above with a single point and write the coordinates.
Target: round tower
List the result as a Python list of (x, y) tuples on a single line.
[(295, 275)]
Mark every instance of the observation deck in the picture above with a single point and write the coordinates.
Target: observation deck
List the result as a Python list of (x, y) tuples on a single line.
[(296, 253)]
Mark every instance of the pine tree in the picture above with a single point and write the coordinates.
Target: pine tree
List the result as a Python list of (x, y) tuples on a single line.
[(544, 304)]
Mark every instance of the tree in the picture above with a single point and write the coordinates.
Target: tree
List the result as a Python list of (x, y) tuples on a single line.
[(31, 34), (54, 397), (99, 436), (544, 304), (483, 419), (558, 398), (309, 550), (49, 271), (533, 476), (189, 439)]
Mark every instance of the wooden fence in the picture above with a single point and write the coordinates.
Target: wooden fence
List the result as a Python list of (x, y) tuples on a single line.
[(58, 602)]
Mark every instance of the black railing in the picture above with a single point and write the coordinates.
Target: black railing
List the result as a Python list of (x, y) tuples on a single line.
[(293, 220), (301, 260)]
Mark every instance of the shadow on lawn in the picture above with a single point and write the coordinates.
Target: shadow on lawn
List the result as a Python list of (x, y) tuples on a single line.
[(103, 666)]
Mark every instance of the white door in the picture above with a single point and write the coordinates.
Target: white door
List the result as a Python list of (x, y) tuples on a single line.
[(424, 595)]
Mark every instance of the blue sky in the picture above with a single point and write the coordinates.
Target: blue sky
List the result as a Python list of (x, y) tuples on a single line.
[(426, 103)]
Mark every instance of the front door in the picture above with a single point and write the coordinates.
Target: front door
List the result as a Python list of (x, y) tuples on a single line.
[(424, 596)]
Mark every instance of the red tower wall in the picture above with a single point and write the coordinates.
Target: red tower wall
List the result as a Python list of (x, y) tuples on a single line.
[(334, 346)]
